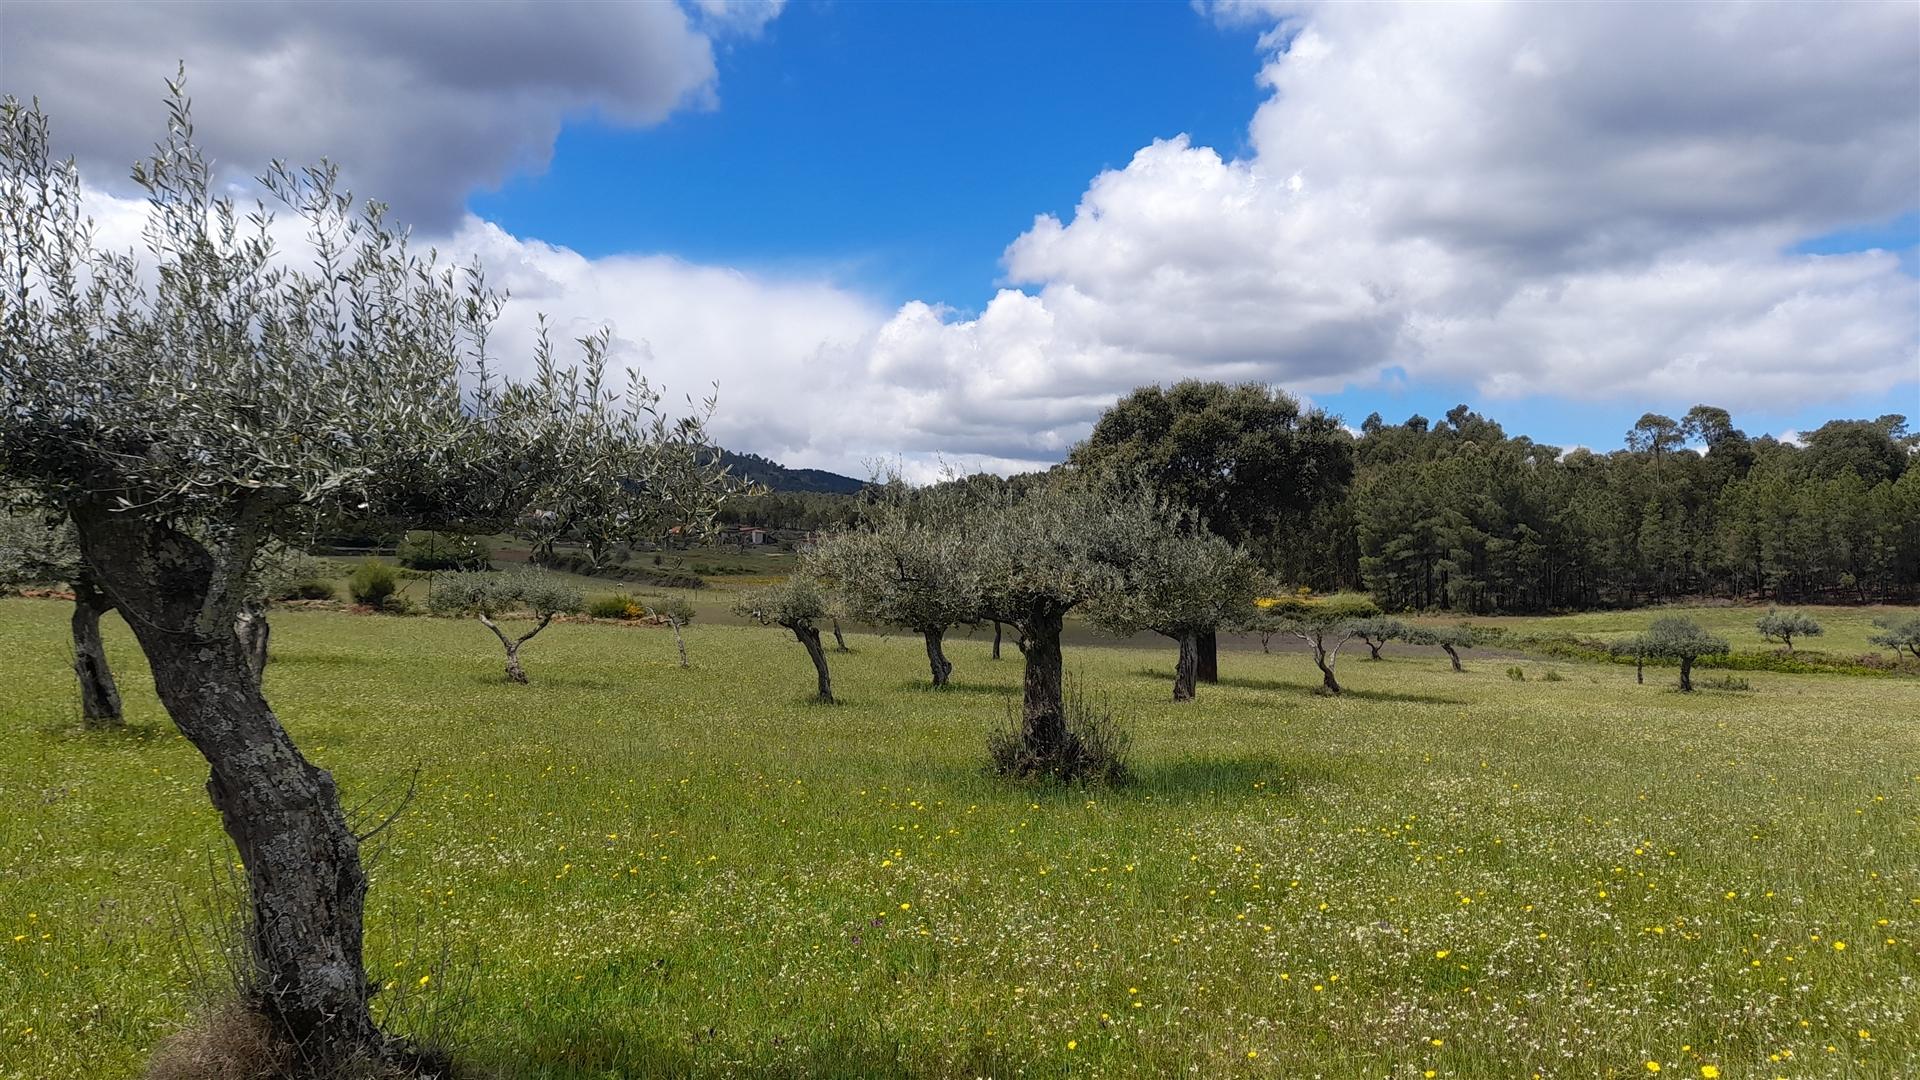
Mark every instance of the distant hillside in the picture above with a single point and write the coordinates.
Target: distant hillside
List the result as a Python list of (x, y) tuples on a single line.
[(777, 477)]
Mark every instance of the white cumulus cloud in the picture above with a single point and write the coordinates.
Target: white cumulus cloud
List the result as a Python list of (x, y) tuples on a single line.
[(420, 102), (1590, 200)]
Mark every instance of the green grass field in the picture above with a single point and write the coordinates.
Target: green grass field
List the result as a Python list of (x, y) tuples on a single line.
[(629, 869), (1844, 629)]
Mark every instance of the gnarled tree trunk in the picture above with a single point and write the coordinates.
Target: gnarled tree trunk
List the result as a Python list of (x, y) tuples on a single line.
[(305, 884), (839, 639), (250, 627), (937, 657), (99, 696), (1373, 648), (1043, 713), (1453, 656), (678, 640), (996, 639), (1207, 657), (1184, 668), (1686, 674), (809, 635), (1321, 660)]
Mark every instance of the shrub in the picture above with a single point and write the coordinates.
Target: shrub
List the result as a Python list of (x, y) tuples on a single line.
[(675, 609), (1552, 676), (308, 590), (1517, 674), (615, 606), (1726, 682), (444, 551), (1095, 751), (374, 584)]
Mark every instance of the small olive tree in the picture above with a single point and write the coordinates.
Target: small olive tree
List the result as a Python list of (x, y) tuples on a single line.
[(1680, 639), (1636, 647), (1897, 633), (1262, 623), (799, 603), (1182, 582), (1448, 639), (1325, 623), (491, 597), (185, 417), (909, 562), (35, 549), (1377, 631), (677, 611), (1784, 626)]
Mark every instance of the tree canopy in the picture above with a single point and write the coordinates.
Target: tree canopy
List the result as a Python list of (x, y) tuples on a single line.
[(911, 561), (1244, 458), (1181, 582), (1784, 626), (1678, 638)]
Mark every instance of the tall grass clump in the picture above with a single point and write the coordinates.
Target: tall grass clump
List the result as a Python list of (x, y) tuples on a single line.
[(1097, 749)]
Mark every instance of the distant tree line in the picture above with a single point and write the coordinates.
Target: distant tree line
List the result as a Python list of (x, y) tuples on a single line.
[(1458, 515)]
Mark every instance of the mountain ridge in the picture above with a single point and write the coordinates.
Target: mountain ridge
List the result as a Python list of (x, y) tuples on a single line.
[(774, 476)]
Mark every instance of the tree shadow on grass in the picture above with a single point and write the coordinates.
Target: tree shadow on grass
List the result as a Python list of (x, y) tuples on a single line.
[(1158, 782), (1313, 690), (71, 730), (926, 687)]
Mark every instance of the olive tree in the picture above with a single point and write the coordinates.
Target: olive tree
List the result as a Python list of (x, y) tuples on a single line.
[(1636, 647), (186, 416), (1044, 551), (1377, 631), (798, 603), (677, 612), (909, 562), (1680, 639), (1897, 633), (279, 571), (1449, 640), (1246, 458), (1263, 623), (1784, 626), (1181, 583), (1325, 623), (623, 470), (491, 597), (36, 549)]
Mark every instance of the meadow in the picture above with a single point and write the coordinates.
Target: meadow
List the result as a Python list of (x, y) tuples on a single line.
[(1844, 630), (632, 869)]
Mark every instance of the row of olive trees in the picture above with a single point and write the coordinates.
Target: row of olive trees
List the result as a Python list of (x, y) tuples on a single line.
[(979, 549), (182, 419)]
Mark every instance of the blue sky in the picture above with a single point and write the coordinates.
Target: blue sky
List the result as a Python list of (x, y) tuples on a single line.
[(897, 146), (955, 232)]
